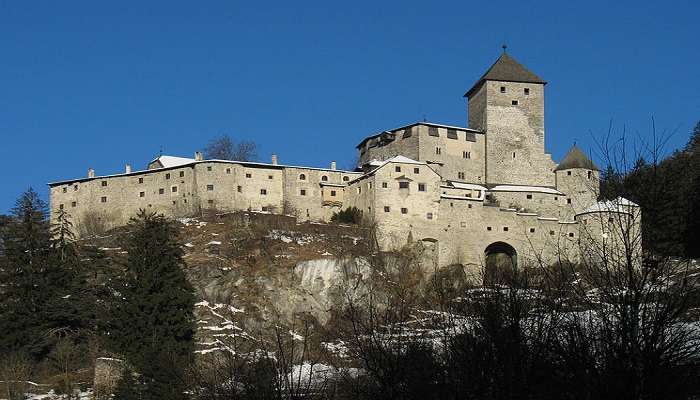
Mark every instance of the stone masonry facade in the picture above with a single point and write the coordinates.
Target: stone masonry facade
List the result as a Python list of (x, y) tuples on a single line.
[(455, 190)]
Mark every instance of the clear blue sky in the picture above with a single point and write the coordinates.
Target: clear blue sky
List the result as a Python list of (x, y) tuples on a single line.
[(98, 84)]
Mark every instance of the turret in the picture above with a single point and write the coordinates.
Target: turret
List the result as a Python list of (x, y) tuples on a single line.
[(579, 178)]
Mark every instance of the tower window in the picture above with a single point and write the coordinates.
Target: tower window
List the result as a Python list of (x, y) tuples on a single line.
[(142, 194), (104, 183), (590, 175), (208, 168), (140, 180), (421, 187), (302, 177), (182, 174), (167, 176), (73, 203), (346, 178), (302, 192), (397, 168), (386, 209), (239, 189), (332, 193), (526, 91), (529, 196), (505, 229), (488, 228), (514, 102), (103, 199), (161, 191), (466, 154), (433, 131), (173, 189), (429, 215), (404, 211), (513, 154), (460, 175), (568, 172), (269, 177), (60, 206), (568, 201), (416, 170), (438, 151), (452, 134), (248, 175), (65, 189), (228, 170), (503, 89), (384, 185), (210, 188), (571, 234), (532, 230), (324, 178), (263, 192)]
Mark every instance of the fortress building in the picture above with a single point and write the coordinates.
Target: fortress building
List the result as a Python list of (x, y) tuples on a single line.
[(464, 193)]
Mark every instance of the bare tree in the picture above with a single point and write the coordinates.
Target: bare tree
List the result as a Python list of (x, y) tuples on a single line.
[(225, 148)]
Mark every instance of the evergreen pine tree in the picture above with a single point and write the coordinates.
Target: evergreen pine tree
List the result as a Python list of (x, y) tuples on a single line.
[(152, 321)]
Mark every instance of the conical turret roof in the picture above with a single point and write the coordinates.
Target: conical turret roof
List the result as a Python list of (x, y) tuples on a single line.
[(507, 69), (575, 158)]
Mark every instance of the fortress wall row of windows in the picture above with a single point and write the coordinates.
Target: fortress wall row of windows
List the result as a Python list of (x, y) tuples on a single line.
[(416, 130)]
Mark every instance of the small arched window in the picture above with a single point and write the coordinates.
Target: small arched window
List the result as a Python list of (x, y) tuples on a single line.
[(324, 178), (302, 177), (346, 178)]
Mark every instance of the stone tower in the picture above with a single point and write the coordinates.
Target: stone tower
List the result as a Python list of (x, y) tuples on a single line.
[(579, 178), (507, 104)]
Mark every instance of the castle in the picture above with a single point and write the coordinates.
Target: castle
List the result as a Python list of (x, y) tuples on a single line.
[(464, 193)]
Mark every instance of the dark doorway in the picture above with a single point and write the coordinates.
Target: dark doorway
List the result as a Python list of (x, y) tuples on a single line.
[(501, 264)]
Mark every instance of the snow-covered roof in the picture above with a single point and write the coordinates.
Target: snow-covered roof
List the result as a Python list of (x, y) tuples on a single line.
[(471, 186), (523, 188), (618, 205), (171, 161), (403, 160)]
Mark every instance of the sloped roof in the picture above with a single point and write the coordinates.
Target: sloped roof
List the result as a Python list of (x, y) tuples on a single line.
[(506, 69), (618, 205), (171, 161), (575, 158)]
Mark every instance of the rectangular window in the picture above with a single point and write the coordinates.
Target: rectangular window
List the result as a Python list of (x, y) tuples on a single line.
[(452, 134), (161, 191), (182, 174), (416, 170), (529, 196), (302, 192), (60, 206), (551, 232), (248, 175), (73, 203), (239, 189), (269, 177), (385, 185), (140, 180), (514, 102), (433, 131), (568, 173), (403, 185), (571, 234), (167, 176), (466, 154), (429, 215), (173, 189), (421, 187), (332, 193), (460, 175), (397, 168), (488, 228), (103, 199), (505, 229), (65, 190), (568, 201), (228, 170), (386, 209), (263, 192), (404, 211), (104, 183), (406, 133), (503, 89), (75, 188), (142, 194), (438, 151), (532, 230), (210, 188), (209, 168), (526, 91), (210, 202)]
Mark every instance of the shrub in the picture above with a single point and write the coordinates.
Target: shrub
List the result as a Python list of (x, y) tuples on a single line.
[(351, 215)]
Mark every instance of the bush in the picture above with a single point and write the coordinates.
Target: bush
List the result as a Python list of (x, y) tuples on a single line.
[(351, 215)]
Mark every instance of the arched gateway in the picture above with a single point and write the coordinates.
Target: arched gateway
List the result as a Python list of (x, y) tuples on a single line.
[(501, 263)]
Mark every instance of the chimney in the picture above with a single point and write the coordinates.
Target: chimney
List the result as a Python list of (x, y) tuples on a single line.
[(198, 156), (333, 166), (127, 169), (91, 173), (274, 159)]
